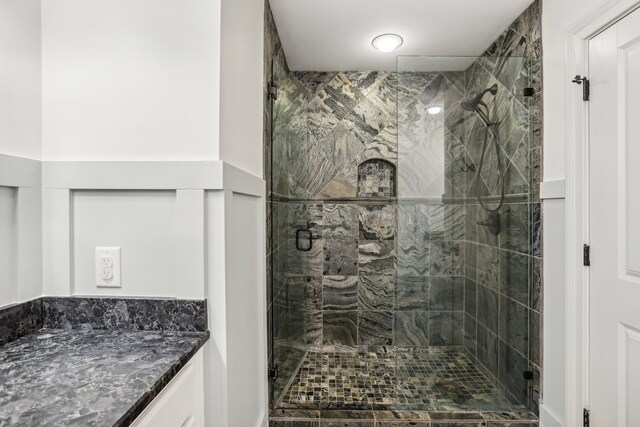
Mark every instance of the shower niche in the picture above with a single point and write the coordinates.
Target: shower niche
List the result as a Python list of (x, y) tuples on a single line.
[(376, 178)]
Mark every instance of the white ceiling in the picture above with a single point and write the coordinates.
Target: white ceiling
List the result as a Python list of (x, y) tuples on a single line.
[(336, 35)]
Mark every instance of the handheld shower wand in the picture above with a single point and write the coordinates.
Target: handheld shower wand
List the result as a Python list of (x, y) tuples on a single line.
[(478, 106)]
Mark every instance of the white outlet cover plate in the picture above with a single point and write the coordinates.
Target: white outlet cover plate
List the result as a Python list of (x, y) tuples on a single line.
[(116, 280)]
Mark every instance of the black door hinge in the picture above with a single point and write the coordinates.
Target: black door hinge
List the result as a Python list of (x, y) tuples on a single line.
[(586, 255), (586, 86), (529, 91), (585, 418), (273, 91), (273, 373)]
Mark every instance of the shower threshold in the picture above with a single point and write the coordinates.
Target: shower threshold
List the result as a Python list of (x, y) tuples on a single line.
[(394, 384)]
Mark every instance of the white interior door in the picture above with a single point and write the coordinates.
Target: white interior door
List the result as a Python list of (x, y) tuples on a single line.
[(614, 67)]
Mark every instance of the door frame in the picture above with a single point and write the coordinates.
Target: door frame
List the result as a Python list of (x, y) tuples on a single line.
[(577, 314)]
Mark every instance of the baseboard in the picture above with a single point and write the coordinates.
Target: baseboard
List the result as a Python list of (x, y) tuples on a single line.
[(548, 418)]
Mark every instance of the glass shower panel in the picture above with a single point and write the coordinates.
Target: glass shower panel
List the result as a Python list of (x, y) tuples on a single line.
[(291, 237), (464, 191), (417, 290)]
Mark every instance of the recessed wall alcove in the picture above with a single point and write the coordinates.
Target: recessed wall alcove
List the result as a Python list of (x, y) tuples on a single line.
[(376, 178)]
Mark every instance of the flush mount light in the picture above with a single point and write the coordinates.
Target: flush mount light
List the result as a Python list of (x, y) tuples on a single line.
[(387, 42), (434, 109)]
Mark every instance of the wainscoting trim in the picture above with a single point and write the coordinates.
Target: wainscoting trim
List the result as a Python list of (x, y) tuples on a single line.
[(149, 175), (552, 189), (19, 172)]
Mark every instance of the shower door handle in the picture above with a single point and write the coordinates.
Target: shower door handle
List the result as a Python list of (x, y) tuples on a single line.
[(301, 238)]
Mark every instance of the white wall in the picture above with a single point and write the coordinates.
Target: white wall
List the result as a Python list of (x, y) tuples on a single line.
[(246, 299), (20, 140), (236, 356), (8, 259), (553, 336), (125, 80), (241, 83), (20, 242), (161, 234), (557, 18), (147, 227), (20, 78), (130, 79), (29, 243)]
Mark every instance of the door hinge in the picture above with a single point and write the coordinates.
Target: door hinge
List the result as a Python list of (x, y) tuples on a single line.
[(585, 418), (586, 255), (273, 91), (586, 86), (273, 373)]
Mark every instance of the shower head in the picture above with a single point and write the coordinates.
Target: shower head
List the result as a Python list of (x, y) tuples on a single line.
[(473, 104)]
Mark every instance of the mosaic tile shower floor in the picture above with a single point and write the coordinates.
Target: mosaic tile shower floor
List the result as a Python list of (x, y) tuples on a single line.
[(442, 379)]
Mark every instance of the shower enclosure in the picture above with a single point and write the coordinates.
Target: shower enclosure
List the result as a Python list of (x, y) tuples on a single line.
[(404, 236)]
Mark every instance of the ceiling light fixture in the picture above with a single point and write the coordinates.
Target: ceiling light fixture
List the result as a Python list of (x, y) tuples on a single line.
[(434, 109), (387, 42)]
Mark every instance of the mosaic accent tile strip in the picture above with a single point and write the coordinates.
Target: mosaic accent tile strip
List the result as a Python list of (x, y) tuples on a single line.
[(441, 379), (125, 313)]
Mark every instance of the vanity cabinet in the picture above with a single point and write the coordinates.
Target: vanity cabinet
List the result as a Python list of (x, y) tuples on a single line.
[(181, 402)]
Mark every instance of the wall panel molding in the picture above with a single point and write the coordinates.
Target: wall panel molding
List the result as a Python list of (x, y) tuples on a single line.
[(57, 242), (188, 180), (23, 228), (552, 189), (20, 172), (150, 175)]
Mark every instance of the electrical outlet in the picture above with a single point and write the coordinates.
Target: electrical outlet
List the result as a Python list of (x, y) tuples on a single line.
[(107, 273), (108, 270)]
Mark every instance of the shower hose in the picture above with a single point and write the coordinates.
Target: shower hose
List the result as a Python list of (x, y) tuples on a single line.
[(481, 165)]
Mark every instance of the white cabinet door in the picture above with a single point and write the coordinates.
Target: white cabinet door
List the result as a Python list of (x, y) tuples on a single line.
[(181, 402), (614, 68)]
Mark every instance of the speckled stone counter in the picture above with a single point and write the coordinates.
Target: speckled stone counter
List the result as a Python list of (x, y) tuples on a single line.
[(95, 361), (88, 377)]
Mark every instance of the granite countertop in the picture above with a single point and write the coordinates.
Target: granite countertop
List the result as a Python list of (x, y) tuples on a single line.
[(86, 377)]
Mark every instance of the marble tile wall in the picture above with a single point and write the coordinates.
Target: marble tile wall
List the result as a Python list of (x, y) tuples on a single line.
[(365, 287), (364, 241), (430, 284), (503, 313), (372, 281), (341, 120)]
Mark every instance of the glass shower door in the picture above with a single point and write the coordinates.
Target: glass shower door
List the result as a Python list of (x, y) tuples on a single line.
[(465, 205), (291, 236)]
